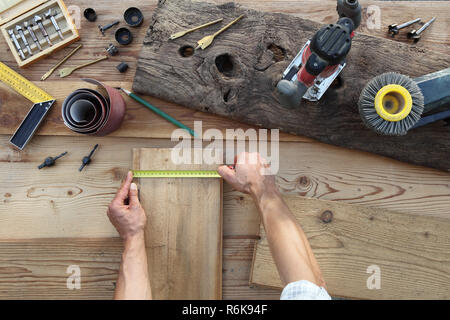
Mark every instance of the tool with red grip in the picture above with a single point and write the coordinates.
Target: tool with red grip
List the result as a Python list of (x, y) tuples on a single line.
[(321, 59)]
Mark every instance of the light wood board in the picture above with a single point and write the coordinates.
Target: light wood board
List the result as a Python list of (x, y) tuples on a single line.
[(184, 230), (60, 202), (412, 252)]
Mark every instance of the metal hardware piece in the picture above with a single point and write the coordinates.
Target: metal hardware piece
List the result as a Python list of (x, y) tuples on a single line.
[(51, 15), (16, 43), (183, 33), (108, 26), (394, 28), (68, 71), (24, 39), (112, 50), (206, 41), (50, 161), (45, 76), (86, 160), (38, 21), (29, 27), (415, 34)]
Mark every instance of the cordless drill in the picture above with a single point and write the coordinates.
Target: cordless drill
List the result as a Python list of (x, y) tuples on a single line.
[(321, 59)]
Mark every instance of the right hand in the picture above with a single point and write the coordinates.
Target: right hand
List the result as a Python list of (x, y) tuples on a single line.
[(128, 217), (251, 175)]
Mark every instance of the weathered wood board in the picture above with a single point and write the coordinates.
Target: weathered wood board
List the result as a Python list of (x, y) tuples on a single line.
[(235, 77), (184, 230), (49, 268), (411, 252)]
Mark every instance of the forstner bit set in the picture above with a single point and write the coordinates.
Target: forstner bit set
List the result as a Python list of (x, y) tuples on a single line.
[(34, 32)]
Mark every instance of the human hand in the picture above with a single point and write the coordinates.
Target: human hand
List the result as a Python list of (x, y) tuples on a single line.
[(250, 175), (128, 219)]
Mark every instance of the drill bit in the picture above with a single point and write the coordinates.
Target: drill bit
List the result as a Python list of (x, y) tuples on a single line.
[(24, 39), (29, 27), (86, 160), (415, 34), (51, 15), (38, 21), (394, 28), (50, 161), (16, 43)]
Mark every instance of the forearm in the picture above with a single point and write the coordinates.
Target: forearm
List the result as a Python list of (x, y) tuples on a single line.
[(133, 282), (288, 243)]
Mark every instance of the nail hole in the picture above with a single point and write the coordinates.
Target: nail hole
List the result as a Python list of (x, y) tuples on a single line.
[(279, 54), (226, 96), (186, 51), (224, 64)]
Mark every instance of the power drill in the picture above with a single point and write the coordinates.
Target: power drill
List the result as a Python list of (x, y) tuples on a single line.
[(321, 59)]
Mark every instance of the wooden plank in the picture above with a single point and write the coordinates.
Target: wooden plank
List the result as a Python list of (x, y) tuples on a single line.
[(385, 12), (38, 268), (242, 87), (140, 122), (62, 202), (184, 233), (412, 252)]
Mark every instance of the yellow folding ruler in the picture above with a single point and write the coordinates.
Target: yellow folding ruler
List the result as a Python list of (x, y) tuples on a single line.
[(175, 174), (41, 99)]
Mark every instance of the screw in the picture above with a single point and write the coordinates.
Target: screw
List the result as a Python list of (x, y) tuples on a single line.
[(416, 34), (38, 21), (16, 43), (24, 39), (108, 26), (29, 27), (51, 15), (394, 28)]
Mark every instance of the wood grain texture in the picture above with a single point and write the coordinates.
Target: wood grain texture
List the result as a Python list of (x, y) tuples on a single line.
[(140, 122), (62, 202), (242, 87), (412, 252), (184, 233), (307, 168), (38, 268)]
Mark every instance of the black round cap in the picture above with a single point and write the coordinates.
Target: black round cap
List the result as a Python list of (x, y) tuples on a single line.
[(124, 36), (133, 17), (122, 67), (90, 14)]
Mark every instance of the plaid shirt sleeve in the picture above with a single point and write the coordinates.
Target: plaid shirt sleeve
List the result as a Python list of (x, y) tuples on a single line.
[(304, 290)]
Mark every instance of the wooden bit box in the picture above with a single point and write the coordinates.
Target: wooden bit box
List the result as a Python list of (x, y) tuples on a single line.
[(29, 47)]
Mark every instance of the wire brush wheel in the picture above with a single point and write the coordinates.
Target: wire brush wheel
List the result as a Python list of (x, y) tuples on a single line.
[(391, 104)]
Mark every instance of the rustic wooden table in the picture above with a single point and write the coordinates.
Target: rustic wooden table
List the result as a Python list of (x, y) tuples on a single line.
[(52, 219)]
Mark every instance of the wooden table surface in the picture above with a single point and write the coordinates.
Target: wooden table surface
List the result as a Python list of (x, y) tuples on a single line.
[(58, 215)]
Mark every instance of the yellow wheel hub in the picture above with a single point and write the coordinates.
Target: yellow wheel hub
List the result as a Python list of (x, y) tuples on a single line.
[(393, 103)]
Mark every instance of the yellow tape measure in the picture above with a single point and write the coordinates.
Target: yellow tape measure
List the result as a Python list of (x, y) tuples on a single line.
[(175, 174), (22, 85)]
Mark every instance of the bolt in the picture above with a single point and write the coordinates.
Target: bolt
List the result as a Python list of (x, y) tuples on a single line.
[(108, 26), (415, 34), (38, 21), (16, 43), (29, 27), (24, 39), (51, 15), (394, 28)]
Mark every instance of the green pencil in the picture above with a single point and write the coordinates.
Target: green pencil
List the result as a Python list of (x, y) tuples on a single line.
[(159, 112)]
